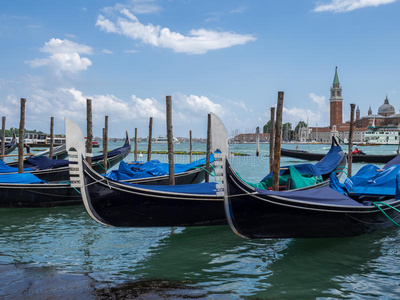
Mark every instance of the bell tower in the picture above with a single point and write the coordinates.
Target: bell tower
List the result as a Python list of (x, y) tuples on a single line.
[(336, 102)]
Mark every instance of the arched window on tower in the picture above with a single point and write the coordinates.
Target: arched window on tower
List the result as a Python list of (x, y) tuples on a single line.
[(338, 93)]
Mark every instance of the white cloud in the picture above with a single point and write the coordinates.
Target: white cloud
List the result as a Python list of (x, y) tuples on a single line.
[(106, 51), (294, 115), (136, 6), (131, 51), (238, 10), (64, 56), (320, 100), (197, 105), (319, 114), (240, 104), (338, 6), (199, 41), (146, 108)]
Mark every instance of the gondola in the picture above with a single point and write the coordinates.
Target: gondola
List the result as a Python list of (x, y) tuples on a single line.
[(318, 213), (116, 203), (58, 170), (59, 152), (10, 147), (367, 158)]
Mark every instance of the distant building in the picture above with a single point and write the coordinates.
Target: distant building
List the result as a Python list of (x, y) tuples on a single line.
[(250, 137), (337, 127), (386, 116)]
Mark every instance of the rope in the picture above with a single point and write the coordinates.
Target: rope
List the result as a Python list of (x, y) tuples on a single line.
[(69, 183), (207, 170), (376, 204), (340, 140), (101, 165), (338, 169)]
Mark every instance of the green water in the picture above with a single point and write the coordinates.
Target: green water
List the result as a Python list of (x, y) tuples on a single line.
[(60, 253)]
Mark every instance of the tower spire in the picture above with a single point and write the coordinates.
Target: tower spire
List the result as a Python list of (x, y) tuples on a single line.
[(336, 100), (336, 82)]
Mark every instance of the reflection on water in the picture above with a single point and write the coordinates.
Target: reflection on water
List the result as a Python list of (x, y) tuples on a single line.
[(61, 253)]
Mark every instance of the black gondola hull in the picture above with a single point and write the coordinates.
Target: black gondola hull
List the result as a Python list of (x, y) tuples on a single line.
[(116, 204), (38, 195), (254, 215), (355, 158)]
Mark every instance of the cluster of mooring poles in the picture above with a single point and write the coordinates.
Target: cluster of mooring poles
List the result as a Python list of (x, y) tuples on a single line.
[(170, 140), (275, 131)]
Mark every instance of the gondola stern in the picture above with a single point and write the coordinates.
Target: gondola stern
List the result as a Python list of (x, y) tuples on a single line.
[(75, 144), (127, 139), (229, 185)]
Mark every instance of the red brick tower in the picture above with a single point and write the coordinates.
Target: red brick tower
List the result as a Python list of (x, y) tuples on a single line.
[(336, 102)]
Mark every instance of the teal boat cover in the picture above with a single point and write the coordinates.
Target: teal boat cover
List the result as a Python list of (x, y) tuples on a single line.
[(327, 165)]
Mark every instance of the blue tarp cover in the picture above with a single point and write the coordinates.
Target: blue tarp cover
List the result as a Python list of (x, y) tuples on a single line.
[(327, 165), (7, 169), (151, 168), (369, 181), (324, 195), (21, 178), (44, 163), (205, 188)]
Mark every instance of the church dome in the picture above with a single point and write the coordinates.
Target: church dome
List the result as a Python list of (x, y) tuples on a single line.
[(386, 109)]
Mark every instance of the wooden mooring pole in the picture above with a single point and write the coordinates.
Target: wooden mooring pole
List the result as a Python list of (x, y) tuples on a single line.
[(150, 138), (191, 146), (21, 137), (258, 141), (135, 150), (89, 135), (351, 134), (51, 138), (105, 144), (208, 152), (3, 137), (271, 138), (170, 138), (277, 147)]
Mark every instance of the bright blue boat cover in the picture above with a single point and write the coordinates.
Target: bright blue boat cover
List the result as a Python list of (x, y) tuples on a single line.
[(7, 169), (151, 168), (369, 181), (205, 188), (327, 165), (44, 163), (20, 178), (323, 195)]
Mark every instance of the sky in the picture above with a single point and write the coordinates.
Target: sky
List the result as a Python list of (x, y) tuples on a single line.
[(227, 57)]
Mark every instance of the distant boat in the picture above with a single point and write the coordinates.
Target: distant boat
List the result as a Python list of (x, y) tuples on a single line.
[(381, 135), (164, 140), (10, 145), (368, 158)]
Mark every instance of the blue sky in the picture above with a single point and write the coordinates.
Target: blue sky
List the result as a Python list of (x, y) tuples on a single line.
[(228, 57)]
